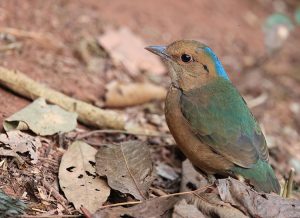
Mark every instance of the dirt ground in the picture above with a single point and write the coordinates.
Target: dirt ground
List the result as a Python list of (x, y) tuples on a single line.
[(232, 28)]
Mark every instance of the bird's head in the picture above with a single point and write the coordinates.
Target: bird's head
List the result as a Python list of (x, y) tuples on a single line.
[(191, 63)]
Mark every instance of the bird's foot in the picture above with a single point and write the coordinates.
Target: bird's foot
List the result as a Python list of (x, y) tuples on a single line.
[(211, 179), (288, 185)]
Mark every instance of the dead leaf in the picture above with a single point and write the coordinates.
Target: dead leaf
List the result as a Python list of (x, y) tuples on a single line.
[(127, 166), (78, 178), (184, 210), (155, 207), (127, 49), (124, 95), (191, 179), (256, 204), (42, 119), (166, 171), (14, 142)]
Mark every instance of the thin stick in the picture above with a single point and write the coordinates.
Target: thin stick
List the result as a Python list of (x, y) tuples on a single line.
[(49, 216), (164, 196), (110, 131), (87, 113), (121, 204)]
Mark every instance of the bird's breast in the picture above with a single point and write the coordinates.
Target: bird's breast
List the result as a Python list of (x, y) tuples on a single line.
[(201, 155)]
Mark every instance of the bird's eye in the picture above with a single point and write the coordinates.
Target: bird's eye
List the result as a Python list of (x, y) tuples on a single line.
[(186, 58)]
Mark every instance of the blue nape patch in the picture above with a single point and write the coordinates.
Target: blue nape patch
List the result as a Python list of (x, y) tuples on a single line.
[(219, 68)]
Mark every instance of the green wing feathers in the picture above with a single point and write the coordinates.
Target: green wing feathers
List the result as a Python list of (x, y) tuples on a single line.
[(220, 118), (261, 176)]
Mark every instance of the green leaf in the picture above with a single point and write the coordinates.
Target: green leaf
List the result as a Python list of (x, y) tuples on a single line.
[(42, 119)]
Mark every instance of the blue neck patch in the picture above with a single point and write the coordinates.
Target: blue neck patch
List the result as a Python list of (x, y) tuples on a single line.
[(218, 65)]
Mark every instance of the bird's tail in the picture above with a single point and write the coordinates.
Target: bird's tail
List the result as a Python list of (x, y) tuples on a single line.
[(261, 176)]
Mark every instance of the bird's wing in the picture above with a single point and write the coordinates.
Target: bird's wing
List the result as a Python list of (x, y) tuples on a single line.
[(220, 118)]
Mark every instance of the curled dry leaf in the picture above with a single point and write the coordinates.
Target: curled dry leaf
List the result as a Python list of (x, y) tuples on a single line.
[(127, 166), (256, 204), (14, 142), (124, 95), (155, 207), (78, 178), (128, 49), (42, 119)]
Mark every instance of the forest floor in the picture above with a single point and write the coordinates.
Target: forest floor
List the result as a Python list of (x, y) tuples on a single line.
[(232, 28)]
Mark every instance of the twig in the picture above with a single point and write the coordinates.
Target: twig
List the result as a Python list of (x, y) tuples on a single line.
[(56, 195), (110, 131), (164, 196), (49, 216), (86, 212), (54, 192), (158, 191), (121, 204), (87, 113)]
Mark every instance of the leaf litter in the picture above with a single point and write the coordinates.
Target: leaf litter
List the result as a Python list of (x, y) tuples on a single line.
[(50, 158), (16, 142), (42, 119), (78, 178), (127, 166)]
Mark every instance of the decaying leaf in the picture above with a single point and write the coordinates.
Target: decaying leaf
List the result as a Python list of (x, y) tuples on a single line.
[(131, 55), (78, 178), (166, 171), (256, 204), (184, 210), (127, 166), (155, 207), (14, 142), (124, 95), (42, 119)]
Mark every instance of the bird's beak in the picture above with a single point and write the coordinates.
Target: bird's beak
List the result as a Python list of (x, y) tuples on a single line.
[(159, 50)]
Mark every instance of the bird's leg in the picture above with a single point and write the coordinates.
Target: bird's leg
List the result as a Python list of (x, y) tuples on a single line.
[(211, 179), (288, 186)]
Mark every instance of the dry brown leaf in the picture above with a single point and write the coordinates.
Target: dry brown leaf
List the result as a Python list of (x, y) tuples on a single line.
[(78, 178), (155, 207), (256, 204), (184, 210), (127, 49), (42, 119), (127, 166), (14, 142), (124, 95)]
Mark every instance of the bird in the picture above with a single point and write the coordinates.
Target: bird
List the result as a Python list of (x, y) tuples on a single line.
[(209, 119)]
